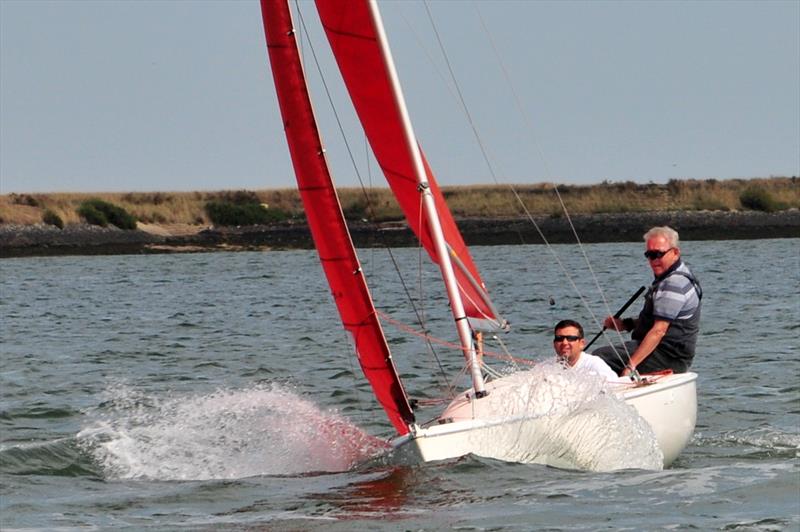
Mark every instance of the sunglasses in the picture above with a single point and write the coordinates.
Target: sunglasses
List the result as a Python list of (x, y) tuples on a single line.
[(653, 254), (568, 338)]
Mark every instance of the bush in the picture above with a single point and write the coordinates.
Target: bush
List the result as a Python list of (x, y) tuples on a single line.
[(237, 197), (51, 218), (758, 199), (147, 198), (92, 216), (357, 210), (251, 213), (241, 197), (24, 199), (98, 212)]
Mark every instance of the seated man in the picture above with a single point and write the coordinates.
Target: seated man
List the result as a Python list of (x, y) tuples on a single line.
[(569, 343), (665, 333)]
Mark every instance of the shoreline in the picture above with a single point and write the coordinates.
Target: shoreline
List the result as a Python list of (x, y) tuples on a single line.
[(83, 239)]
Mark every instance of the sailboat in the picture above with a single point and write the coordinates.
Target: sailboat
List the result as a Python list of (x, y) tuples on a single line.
[(491, 411)]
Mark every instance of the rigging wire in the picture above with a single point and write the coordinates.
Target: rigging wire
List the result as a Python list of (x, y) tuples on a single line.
[(532, 133), (516, 195), (304, 38), (367, 197), (424, 333)]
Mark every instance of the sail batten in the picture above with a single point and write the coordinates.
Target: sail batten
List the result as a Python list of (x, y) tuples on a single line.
[(325, 218)]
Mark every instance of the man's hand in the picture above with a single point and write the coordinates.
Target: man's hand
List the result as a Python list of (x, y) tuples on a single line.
[(613, 323), (648, 344)]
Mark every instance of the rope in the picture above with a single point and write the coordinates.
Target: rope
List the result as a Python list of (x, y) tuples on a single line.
[(367, 198), (456, 347), (430, 340), (645, 379), (347, 338), (529, 128), (506, 351)]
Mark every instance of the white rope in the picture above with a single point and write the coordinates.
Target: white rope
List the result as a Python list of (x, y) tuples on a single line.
[(485, 154)]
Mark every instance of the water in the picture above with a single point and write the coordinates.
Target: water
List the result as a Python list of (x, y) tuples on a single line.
[(217, 391)]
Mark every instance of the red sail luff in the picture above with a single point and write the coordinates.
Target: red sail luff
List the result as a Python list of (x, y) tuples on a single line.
[(353, 38), (325, 219)]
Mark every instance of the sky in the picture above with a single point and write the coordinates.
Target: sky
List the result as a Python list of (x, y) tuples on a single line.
[(159, 95)]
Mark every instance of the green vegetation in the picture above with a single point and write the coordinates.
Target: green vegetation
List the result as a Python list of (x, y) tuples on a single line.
[(98, 212), (92, 215), (756, 198), (51, 218), (242, 208), (203, 208)]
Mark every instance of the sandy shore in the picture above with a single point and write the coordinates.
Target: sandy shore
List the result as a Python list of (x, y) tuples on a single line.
[(30, 240)]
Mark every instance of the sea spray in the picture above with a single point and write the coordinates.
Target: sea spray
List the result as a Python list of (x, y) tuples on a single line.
[(568, 418), (264, 430)]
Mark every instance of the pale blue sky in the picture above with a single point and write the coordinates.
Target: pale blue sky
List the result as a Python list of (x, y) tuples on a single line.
[(177, 95)]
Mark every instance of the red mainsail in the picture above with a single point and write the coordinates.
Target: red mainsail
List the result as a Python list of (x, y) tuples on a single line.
[(353, 38), (325, 219)]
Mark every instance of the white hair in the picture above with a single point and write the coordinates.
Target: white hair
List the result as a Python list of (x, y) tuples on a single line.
[(670, 234)]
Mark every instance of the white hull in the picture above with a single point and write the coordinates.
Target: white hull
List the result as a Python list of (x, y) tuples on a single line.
[(670, 408), (517, 426)]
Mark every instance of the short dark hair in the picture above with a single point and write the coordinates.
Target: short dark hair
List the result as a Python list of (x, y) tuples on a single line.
[(569, 323)]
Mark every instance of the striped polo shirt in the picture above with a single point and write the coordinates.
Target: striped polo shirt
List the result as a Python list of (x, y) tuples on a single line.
[(675, 297)]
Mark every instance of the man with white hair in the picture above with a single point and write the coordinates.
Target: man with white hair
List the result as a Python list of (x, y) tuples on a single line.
[(665, 333)]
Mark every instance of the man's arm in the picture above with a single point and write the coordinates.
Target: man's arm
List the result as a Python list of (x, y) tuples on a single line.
[(647, 345)]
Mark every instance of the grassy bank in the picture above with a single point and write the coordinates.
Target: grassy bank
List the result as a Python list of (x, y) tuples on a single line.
[(188, 208)]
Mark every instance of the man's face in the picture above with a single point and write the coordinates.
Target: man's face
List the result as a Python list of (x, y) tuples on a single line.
[(656, 246), (568, 344)]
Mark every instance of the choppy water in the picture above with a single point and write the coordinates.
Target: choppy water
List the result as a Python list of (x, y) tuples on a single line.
[(218, 391)]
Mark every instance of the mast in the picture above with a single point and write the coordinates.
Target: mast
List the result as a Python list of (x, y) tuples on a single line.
[(429, 206)]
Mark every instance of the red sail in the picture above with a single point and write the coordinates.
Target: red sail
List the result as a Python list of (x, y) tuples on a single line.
[(325, 218), (353, 38)]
